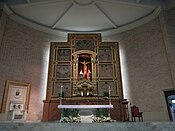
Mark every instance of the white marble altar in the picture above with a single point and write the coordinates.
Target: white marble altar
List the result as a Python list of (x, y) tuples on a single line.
[(84, 106), (85, 111)]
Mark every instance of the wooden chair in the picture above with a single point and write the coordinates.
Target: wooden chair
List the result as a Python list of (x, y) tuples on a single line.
[(135, 113)]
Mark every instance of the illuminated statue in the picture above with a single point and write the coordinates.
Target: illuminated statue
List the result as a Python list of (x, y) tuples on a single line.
[(84, 68), (89, 75), (81, 75)]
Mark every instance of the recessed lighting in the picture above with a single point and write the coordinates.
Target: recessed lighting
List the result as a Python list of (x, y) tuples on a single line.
[(173, 101)]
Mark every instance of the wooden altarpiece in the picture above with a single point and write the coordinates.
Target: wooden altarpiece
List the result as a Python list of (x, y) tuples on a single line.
[(86, 68)]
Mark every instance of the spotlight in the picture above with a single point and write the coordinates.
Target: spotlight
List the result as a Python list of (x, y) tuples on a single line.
[(173, 101)]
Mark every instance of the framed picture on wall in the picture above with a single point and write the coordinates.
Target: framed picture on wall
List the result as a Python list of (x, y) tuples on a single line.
[(15, 92)]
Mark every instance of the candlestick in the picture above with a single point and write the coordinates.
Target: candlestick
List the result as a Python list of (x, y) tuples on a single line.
[(109, 90), (61, 90), (109, 95)]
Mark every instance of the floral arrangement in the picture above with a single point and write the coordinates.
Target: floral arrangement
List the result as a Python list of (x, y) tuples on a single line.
[(102, 115), (70, 116), (102, 119), (70, 119)]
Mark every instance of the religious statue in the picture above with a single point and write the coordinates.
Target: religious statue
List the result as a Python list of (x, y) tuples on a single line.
[(81, 75), (89, 75), (84, 68)]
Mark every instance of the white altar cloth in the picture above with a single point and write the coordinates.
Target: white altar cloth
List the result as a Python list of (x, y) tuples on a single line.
[(84, 106)]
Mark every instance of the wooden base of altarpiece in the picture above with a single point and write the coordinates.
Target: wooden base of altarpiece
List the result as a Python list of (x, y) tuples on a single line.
[(51, 112)]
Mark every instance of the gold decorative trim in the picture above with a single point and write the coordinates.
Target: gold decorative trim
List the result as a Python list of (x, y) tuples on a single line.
[(71, 44), (84, 36), (84, 51)]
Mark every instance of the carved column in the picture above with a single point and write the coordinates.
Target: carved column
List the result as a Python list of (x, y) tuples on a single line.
[(75, 72), (94, 76)]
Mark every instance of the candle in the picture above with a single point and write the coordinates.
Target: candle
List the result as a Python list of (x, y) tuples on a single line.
[(81, 93), (109, 95), (109, 90), (61, 91), (61, 95)]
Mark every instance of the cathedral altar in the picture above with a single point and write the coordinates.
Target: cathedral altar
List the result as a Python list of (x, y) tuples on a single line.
[(52, 112), (85, 72)]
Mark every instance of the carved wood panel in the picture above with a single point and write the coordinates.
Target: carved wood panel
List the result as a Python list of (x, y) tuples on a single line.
[(66, 60)]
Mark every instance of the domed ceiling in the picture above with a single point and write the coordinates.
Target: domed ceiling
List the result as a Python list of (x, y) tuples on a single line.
[(84, 16)]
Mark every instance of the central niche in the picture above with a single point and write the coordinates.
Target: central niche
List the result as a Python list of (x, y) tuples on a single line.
[(84, 67), (84, 73)]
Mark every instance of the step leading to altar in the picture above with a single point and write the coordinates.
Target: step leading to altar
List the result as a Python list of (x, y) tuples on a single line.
[(112, 126)]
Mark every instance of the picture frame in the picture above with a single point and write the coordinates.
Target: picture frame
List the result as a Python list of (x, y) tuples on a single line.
[(15, 92)]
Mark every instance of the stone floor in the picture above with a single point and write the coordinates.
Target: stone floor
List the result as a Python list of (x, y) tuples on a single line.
[(112, 126)]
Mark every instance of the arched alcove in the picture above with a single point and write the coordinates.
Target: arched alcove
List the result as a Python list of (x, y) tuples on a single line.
[(85, 73)]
